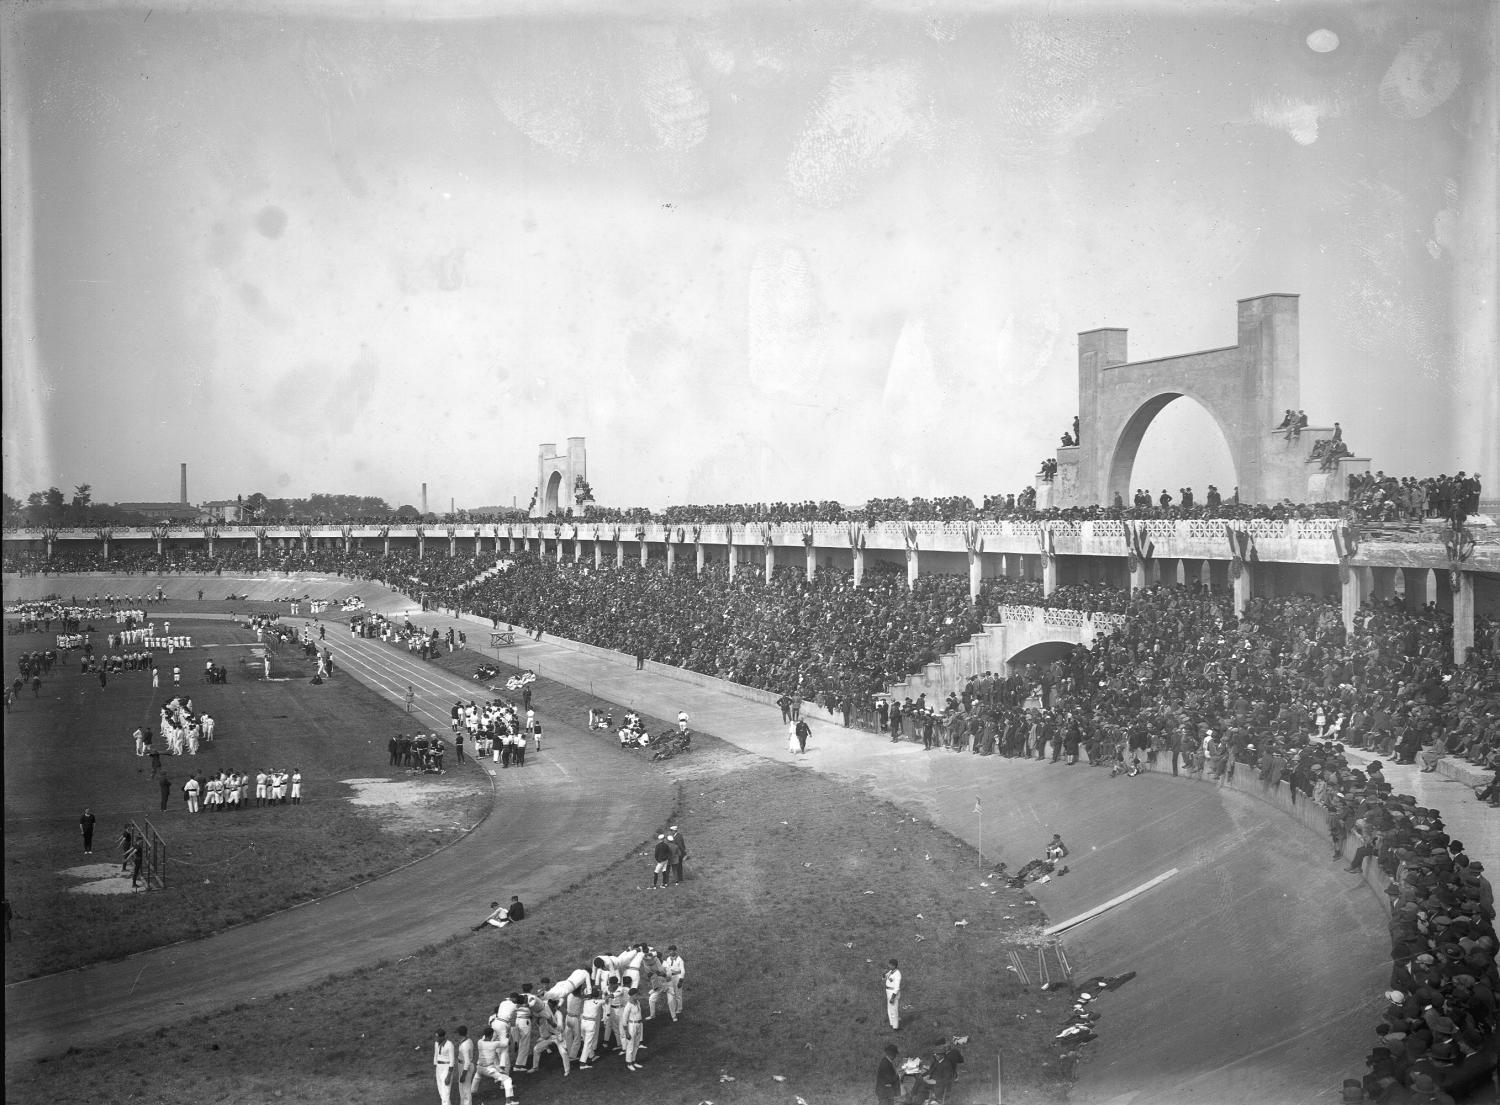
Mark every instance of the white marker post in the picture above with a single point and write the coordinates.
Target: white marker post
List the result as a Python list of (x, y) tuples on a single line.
[(979, 809)]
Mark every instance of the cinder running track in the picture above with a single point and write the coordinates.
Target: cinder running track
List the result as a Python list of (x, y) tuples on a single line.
[(1259, 964)]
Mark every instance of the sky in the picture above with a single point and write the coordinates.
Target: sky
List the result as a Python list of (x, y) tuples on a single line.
[(750, 251)]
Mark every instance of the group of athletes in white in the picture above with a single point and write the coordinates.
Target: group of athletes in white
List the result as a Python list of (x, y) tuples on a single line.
[(229, 790), (497, 729), (183, 732), (592, 1011)]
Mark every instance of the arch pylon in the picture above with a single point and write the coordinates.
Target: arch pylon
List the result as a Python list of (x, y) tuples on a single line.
[(1246, 388)]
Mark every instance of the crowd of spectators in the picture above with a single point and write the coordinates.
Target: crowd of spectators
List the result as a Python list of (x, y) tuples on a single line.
[(821, 636), (1283, 691), (1378, 497), (1371, 496)]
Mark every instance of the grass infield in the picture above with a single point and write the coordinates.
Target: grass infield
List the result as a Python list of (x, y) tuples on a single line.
[(71, 748), (798, 890)]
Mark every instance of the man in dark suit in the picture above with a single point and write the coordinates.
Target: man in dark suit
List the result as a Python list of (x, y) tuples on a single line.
[(887, 1079)]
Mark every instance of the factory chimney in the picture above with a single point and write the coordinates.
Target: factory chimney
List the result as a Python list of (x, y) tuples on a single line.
[(424, 499), (184, 483)]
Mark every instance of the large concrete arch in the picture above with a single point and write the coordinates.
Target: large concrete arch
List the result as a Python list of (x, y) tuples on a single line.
[(1134, 432), (1245, 387)]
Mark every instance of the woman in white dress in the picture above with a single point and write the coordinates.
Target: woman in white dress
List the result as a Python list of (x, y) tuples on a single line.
[(792, 744)]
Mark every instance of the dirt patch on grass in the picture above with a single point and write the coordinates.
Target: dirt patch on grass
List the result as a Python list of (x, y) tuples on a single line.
[(418, 803), (98, 878)]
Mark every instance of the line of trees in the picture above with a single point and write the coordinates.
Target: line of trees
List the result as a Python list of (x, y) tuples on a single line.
[(53, 507)]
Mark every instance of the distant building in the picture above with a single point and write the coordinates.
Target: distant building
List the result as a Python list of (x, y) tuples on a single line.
[(227, 511), (163, 512)]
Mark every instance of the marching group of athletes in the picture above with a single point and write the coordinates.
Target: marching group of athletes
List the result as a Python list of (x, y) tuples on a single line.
[(593, 1012)]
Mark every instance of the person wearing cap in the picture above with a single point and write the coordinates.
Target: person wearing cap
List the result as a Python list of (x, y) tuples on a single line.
[(661, 856), (676, 838)]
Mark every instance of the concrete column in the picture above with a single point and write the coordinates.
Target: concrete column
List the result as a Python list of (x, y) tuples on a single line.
[(1463, 617), (387, 547), (1206, 573), (770, 562), (452, 546), (1140, 578), (913, 568), (511, 543), (698, 557), (479, 545), (49, 546), (671, 557), (812, 563), (1244, 588), (619, 553), (577, 549), (559, 550), (1049, 574), (859, 567), (106, 549), (210, 548), (731, 560), (643, 554), (598, 552), (1353, 592), (976, 577), (1004, 566)]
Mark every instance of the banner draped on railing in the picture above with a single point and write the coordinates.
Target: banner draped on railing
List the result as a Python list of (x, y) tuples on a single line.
[(1241, 548), (909, 535), (973, 539), (697, 534), (856, 535), (807, 536), (1459, 545), (1045, 542), (1346, 544), (1138, 544)]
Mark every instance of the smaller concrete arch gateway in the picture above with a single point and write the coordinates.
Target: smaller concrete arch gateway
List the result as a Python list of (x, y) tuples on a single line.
[(557, 475)]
